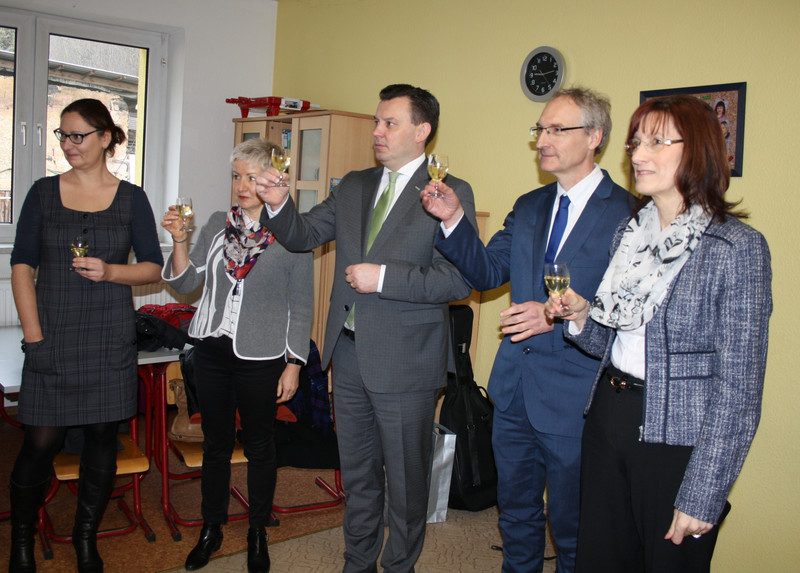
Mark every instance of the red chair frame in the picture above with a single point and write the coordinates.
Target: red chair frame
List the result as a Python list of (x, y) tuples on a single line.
[(134, 517)]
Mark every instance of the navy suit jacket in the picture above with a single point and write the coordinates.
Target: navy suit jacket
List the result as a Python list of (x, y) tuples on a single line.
[(555, 375)]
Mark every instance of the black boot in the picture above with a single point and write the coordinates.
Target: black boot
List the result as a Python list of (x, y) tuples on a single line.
[(25, 503), (257, 554), (94, 489), (209, 542)]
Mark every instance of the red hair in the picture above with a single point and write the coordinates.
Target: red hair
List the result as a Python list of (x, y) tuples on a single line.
[(703, 174)]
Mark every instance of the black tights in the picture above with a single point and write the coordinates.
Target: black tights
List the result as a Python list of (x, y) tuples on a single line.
[(34, 463)]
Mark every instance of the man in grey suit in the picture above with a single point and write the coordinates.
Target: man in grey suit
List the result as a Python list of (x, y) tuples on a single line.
[(387, 330)]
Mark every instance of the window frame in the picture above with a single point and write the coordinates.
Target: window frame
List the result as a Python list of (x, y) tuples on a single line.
[(30, 98)]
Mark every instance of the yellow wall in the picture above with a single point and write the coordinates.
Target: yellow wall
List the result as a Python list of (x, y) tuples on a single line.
[(340, 53)]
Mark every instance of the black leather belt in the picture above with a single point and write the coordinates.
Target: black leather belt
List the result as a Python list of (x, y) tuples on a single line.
[(351, 334), (622, 381)]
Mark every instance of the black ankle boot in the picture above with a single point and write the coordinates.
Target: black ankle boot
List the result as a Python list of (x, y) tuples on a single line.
[(209, 542), (25, 503), (94, 489), (257, 554)]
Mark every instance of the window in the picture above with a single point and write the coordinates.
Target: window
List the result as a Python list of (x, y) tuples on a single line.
[(47, 62)]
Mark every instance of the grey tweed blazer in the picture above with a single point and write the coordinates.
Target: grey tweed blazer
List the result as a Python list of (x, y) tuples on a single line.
[(705, 360), (277, 295)]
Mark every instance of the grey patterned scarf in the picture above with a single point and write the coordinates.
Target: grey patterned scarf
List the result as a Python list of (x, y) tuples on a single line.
[(645, 264)]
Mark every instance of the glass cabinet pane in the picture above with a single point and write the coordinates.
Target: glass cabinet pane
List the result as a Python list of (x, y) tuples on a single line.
[(310, 149), (306, 198)]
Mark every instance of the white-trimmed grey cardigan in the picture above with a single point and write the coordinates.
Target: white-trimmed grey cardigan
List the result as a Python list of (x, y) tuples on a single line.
[(277, 295), (706, 352)]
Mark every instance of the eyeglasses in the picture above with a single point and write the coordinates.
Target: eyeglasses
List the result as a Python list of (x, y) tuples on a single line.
[(76, 138), (536, 132), (654, 145)]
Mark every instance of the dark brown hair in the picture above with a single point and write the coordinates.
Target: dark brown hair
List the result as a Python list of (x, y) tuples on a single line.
[(703, 174), (424, 106), (96, 114)]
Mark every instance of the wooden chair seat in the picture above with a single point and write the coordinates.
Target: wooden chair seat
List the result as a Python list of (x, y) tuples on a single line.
[(192, 453), (131, 460)]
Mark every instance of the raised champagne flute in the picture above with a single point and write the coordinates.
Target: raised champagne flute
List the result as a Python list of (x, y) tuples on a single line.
[(437, 170), (280, 161), (183, 205), (556, 279), (79, 247)]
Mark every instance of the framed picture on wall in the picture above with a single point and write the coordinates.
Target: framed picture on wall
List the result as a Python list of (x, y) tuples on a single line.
[(728, 102)]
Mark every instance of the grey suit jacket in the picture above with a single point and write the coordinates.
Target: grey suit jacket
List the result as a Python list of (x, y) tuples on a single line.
[(705, 361), (277, 295), (401, 332)]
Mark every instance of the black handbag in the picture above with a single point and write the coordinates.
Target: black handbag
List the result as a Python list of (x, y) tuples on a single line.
[(468, 412)]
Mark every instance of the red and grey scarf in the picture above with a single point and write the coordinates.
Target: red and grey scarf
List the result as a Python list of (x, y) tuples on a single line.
[(242, 246)]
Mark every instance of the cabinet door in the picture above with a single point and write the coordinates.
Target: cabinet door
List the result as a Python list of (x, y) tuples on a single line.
[(310, 139), (310, 142), (249, 130)]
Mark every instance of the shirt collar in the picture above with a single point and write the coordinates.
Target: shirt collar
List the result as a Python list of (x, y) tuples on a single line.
[(580, 193), (408, 169)]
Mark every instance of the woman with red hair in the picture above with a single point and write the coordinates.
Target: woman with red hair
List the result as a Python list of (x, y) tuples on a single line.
[(680, 321)]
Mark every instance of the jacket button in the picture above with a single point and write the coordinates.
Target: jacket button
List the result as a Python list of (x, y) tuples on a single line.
[(526, 350), (347, 307)]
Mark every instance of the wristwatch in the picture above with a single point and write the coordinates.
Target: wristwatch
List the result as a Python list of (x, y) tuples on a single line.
[(293, 360)]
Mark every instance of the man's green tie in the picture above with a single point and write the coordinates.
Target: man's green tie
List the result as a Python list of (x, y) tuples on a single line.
[(381, 209), (378, 216)]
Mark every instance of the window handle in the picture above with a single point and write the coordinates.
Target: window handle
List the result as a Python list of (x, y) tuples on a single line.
[(23, 128), (39, 133)]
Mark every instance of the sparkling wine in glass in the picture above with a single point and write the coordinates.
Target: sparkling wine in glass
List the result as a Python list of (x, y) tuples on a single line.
[(437, 170), (280, 161), (556, 279), (183, 205), (79, 247)]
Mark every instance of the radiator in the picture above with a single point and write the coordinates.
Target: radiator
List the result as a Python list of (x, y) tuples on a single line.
[(157, 293)]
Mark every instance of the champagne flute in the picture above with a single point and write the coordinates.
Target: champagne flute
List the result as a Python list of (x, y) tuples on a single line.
[(280, 161), (79, 247), (183, 205), (556, 279), (437, 170)]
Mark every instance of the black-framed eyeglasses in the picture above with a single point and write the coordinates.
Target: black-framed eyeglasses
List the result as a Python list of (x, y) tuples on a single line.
[(536, 131), (654, 145), (76, 138)]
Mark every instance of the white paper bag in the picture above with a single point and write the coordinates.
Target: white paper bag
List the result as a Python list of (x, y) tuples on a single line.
[(444, 448)]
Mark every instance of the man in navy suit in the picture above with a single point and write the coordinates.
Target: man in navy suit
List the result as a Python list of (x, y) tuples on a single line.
[(540, 383)]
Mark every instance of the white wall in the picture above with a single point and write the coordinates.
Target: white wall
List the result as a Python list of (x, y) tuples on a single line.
[(218, 49)]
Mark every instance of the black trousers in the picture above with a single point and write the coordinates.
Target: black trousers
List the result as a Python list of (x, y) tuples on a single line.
[(628, 491), (225, 383)]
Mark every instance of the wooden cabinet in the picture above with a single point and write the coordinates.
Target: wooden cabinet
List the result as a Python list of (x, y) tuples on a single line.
[(324, 146)]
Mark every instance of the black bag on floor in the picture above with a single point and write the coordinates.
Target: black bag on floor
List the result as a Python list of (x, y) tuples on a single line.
[(468, 412)]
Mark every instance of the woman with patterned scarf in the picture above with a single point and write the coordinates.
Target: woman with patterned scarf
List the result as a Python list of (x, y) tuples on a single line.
[(680, 321), (251, 333)]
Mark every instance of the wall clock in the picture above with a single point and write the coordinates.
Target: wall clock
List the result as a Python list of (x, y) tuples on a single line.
[(542, 73)]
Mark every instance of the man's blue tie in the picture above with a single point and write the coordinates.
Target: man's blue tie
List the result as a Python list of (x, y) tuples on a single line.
[(558, 229)]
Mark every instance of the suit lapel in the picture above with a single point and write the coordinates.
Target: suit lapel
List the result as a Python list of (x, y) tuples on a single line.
[(592, 213), (369, 195), (541, 232), (407, 200)]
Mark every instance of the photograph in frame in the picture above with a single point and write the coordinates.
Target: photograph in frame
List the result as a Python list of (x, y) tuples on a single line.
[(728, 103)]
